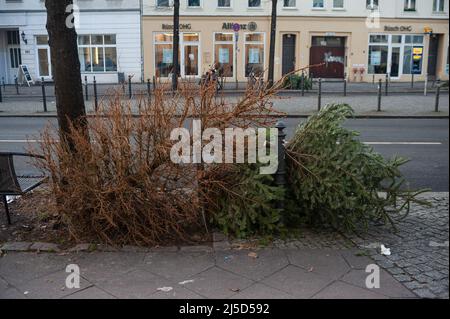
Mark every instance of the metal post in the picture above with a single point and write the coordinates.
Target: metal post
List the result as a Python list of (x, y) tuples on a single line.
[(16, 83), (387, 85), (44, 96), (373, 79), (5, 203), (303, 80), (130, 92), (95, 95), (379, 95), (3, 83), (319, 100), (412, 79), (280, 175), (1, 97), (425, 89), (345, 87), (86, 86), (149, 89), (154, 83), (438, 94)]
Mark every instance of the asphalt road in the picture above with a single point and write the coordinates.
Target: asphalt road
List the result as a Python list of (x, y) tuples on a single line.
[(424, 141)]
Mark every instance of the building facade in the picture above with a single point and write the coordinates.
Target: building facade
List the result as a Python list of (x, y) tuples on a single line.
[(109, 39), (361, 40)]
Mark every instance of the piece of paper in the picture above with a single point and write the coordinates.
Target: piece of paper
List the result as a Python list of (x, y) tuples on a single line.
[(253, 56), (224, 56), (167, 56), (375, 58)]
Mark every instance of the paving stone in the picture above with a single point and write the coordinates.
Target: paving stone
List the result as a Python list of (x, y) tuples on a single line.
[(388, 285), (90, 293), (298, 282), (45, 247), (216, 283), (165, 249), (16, 246), (196, 249), (137, 284), (221, 246), (356, 259), (52, 286), (261, 291), (178, 266), (178, 293), (342, 290), (425, 293), (268, 261), (11, 293), (82, 248), (134, 249), (326, 262)]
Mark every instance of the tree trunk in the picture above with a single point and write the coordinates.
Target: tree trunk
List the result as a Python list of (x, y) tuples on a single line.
[(66, 68), (273, 36), (176, 43)]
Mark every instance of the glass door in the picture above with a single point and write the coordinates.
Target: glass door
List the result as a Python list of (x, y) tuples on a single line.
[(190, 62), (43, 57), (395, 62)]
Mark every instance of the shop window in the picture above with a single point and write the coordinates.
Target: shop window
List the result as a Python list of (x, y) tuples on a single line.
[(97, 53), (254, 3), (254, 54), (413, 54), (224, 51), (378, 59)]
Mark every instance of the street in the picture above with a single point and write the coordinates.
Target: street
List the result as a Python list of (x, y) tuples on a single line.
[(424, 141)]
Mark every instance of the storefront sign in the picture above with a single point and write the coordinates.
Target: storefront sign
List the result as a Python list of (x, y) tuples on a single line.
[(402, 28), (236, 27), (184, 26)]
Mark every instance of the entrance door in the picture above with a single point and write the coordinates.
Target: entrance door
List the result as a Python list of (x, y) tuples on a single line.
[(330, 52), (43, 58), (190, 58), (395, 62), (433, 55), (289, 44), (14, 54)]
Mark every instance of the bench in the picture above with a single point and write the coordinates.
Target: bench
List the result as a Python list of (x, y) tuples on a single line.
[(13, 185)]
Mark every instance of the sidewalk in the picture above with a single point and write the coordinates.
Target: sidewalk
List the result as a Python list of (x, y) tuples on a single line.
[(411, 105), (316, 265)]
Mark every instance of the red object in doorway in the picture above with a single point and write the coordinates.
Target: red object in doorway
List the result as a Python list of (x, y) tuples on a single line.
[(334, 59)]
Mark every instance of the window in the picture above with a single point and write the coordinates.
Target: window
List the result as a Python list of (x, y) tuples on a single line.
[(290, 3), (410, 5), (372, 4), (43, 55), (254, 3), (413, 54), (318, 3), (163, 54), (254, 53), (224, 4), (338, 4), (13, 37), (438, 5), (224, 52), (193, 3), (15, 56), (162, 3), (378, 54), (97, 53)]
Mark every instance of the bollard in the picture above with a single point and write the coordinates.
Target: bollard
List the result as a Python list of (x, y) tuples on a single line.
[(95, 95), (154, 83), (373, 79), (425, 89), (1, 98), (319, 100), (130, 92), (412, 80), (3, 83), (345, 87), (387, 85), (149, 89), (379, 95), (86, 88), (44, 96), (16, 83), (438, 93), (280, 175), (303, 83)]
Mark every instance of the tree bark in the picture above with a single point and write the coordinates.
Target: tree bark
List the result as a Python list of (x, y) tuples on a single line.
[(66, 68), (176, 43), (273, 36)]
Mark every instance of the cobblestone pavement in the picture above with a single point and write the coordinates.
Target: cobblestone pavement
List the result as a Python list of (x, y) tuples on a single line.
[(420, 249)]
